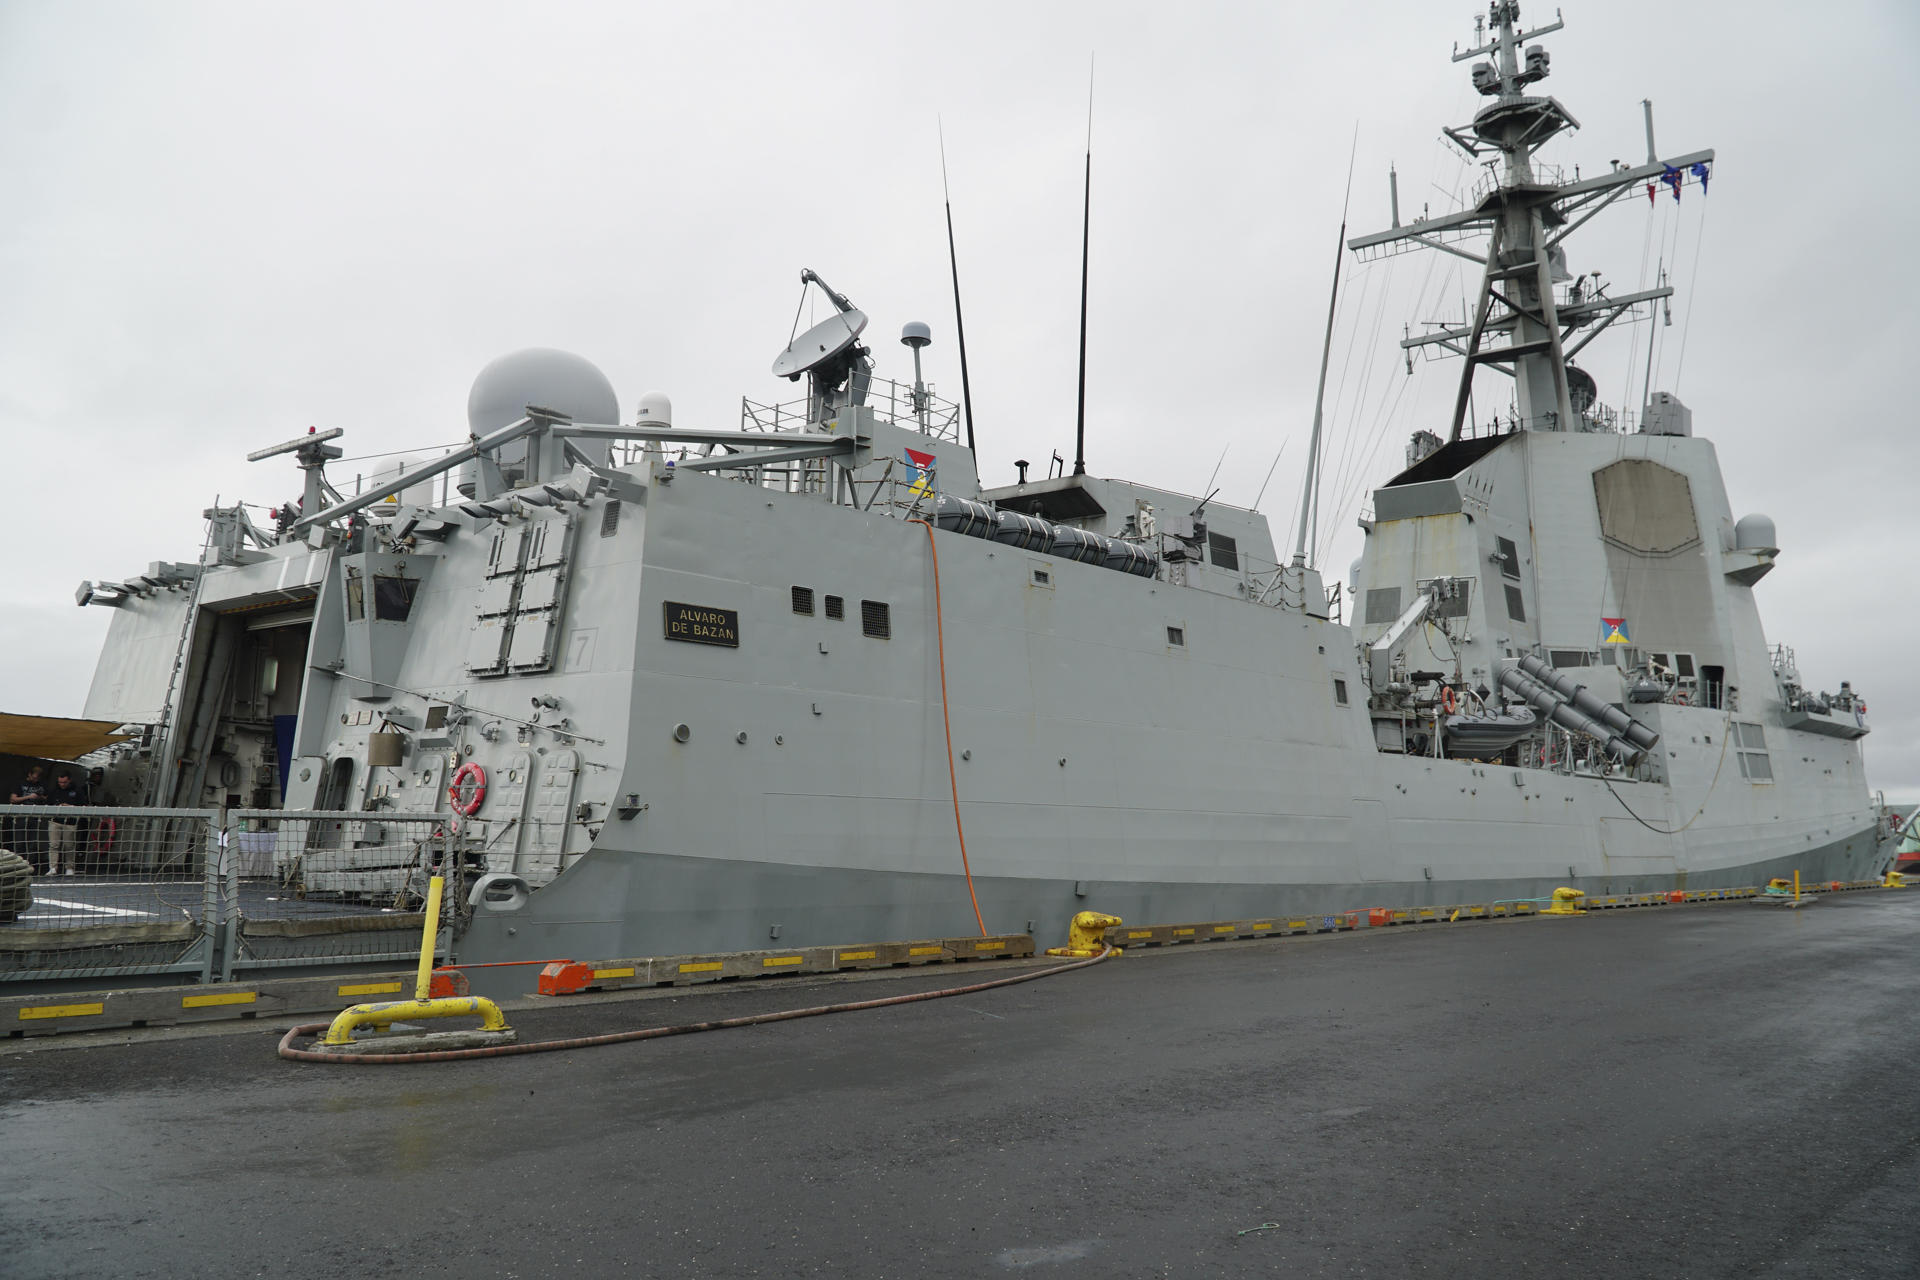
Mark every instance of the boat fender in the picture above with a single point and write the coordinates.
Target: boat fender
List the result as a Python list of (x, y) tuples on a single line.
[(468, 790)]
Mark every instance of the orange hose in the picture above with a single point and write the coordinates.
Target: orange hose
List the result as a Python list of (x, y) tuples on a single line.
[(292, 1054), (946, 719)]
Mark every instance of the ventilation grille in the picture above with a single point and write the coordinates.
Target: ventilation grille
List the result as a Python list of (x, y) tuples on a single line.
[(1515, 608), (803, 600), (874, 620), (836, 607), (1223, 551), (1509, 558), (610, 518), (1383, 605)]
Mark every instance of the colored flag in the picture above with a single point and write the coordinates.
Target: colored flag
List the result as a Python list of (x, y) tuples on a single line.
[(1614, 631), (920, 473), (1700, 171), (1651, 188), (1673, 178)]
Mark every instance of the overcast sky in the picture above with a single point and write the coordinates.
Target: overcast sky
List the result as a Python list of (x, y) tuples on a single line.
[(224, 223)]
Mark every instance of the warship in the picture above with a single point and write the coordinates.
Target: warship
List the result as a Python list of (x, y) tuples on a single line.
[(675, 689)]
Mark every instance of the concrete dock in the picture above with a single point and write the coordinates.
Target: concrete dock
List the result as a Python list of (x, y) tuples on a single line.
[(1697, 1091)]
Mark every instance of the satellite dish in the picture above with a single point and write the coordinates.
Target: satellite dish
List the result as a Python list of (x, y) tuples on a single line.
[(820, 344)]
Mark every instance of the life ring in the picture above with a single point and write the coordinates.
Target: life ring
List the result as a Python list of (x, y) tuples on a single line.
[(100, 839), (471, 779), (1680, 699), (1447, 701)]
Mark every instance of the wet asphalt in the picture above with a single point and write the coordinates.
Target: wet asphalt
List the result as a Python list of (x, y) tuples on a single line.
[(1721, 1090)]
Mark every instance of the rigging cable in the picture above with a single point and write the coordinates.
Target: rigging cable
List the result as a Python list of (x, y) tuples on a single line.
[(1726, 732), (946, 720), (1699, 247)]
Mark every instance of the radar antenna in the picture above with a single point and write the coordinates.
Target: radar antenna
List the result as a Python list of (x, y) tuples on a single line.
[(838, 368), (1525, 325), (313, 453)]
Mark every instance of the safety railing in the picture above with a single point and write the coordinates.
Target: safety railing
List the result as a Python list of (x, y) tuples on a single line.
[(314, 887), (107, 891), (890, 400)]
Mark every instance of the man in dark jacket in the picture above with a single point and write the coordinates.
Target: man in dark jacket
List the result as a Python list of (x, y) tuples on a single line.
[(63, 834), (29, 833)]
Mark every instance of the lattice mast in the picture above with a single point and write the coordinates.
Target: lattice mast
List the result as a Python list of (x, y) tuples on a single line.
[(1525, 211)]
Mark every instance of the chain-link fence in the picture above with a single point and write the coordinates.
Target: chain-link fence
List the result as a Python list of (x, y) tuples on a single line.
[(97, 893), (106, 891), (315, 887)]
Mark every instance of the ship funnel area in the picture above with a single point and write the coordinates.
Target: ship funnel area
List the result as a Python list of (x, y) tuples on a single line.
[(1572, 706)]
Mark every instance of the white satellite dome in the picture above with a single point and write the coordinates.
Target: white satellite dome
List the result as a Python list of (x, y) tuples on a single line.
[(541, 376), (557, 380), (1755, 533)]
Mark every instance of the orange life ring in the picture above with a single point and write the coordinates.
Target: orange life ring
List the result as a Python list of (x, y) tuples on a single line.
[(471, 779), (1447, 701), (101, 838), (1680, 699)]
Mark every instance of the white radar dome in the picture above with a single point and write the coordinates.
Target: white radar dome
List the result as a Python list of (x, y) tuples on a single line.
[(557, 380), (1755, 533), (656, 408)]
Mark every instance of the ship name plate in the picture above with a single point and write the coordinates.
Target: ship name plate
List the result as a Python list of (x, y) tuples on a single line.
[(698, 624)]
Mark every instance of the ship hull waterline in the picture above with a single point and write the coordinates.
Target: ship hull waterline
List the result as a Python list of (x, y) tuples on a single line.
[(614, 903)]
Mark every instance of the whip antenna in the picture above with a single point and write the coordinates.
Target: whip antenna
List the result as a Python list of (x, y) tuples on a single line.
[(959, 319), (1086, 232)]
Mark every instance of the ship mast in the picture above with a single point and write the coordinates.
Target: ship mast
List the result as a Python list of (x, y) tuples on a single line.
[(1525, 211)]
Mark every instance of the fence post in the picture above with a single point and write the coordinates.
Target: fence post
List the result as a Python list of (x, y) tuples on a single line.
[(213, 843)]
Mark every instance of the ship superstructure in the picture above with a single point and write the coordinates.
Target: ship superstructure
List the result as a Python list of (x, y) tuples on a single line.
[(680, 690)]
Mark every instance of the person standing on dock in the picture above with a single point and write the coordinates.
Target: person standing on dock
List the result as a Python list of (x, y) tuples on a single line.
[(63, 834), (27, 831)]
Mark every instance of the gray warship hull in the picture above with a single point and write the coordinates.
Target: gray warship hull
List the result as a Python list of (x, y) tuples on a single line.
[(673, 691)]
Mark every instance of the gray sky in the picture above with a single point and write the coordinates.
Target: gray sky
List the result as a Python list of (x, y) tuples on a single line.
[(225, 223)]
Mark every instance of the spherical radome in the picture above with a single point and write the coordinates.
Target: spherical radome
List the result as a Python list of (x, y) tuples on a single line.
[(1755, 533), (557, 380)]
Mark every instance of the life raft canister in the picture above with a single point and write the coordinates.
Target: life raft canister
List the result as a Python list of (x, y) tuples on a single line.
[(468, 790)]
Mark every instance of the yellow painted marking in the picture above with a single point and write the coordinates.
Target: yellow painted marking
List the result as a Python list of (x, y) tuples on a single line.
[(626, 972), (1139, 933), (707, 967), (1223, 928), (774, 962), (62, 1010), (925, 951), (855, 955), (1298, 924), (223, 997), (370, 989), (994, 945), (1454, 916), (1181, 933), (1263, 924)]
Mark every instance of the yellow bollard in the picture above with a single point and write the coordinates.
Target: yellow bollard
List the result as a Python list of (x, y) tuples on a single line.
[(380, 1016), (1566, 902), (1085, 934), (1796, 884), (423, 984)]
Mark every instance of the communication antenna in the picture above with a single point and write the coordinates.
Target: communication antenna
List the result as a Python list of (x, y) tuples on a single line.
[(829, 354), (1086, 234), (959, 319), (1309, 509)]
